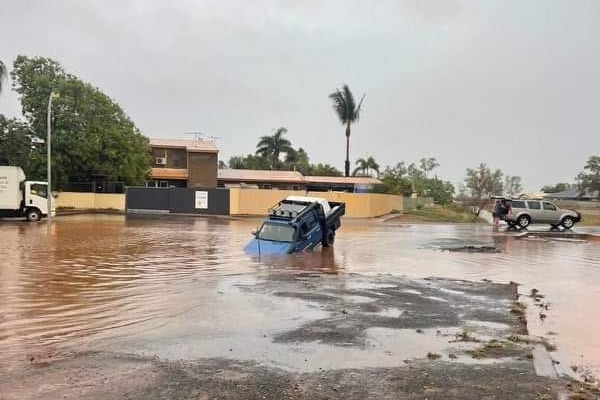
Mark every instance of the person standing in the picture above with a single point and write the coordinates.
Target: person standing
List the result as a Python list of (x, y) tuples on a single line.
[(497, 212)]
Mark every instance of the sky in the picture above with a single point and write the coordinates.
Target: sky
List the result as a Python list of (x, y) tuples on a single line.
[(511, 83)]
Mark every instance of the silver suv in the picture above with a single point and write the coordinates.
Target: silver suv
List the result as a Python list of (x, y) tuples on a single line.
[(526, 212)]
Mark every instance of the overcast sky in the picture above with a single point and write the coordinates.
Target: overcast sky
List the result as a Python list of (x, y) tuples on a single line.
[(515, 84)]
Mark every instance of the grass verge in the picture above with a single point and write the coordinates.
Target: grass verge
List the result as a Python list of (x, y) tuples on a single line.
[(590, 219), (438, 213)]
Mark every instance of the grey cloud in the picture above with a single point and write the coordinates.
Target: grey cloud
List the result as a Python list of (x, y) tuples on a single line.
[(510, 83)]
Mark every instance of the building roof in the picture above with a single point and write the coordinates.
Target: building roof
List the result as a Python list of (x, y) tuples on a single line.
[(249, 175), (342, 180), (169, 173), (572, 193), (195, 145)]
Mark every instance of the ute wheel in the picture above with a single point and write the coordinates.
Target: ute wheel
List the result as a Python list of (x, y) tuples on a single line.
[(33, 215), (329, 239), (568, 222), (524, 221)]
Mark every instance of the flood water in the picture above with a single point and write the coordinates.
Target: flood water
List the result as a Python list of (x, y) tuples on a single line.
[(97, 279)]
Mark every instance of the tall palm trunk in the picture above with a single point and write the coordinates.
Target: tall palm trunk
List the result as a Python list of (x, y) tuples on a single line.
[(347, 166)]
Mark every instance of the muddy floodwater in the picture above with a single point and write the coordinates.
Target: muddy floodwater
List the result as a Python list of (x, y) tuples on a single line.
[(111, 283)]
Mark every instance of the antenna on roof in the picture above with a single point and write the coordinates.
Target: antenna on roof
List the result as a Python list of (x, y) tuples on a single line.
[(203, 136)]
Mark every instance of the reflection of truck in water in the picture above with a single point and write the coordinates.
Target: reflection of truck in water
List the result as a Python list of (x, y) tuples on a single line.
[(297, 224), (21, 198)]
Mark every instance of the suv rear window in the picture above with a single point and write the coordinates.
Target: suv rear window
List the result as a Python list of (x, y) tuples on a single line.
[(534, 205), (518, 204)]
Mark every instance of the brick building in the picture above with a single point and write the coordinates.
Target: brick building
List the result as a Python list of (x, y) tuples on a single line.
[(183, 163)]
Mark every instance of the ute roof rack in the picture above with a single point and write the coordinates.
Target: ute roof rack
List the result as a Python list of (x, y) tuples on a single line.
[(290, 210)]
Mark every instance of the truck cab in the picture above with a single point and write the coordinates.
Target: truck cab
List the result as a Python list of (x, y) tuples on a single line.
[(35, 200), (22, 198), (297, 224)]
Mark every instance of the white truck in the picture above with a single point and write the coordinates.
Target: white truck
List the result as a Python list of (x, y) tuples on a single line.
[(22, 198)]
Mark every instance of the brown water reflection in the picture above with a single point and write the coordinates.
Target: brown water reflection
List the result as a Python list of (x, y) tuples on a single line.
[(94, 278)]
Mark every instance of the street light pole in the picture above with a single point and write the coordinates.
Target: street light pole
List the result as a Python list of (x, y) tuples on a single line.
[(53, 95)]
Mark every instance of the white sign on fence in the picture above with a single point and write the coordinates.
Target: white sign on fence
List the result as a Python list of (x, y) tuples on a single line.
[(201, 199)]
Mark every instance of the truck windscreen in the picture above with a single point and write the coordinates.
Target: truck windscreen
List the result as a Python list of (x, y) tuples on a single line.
[(277, 232), (39, 190)]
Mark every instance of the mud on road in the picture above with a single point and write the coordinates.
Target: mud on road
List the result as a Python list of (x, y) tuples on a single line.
[(379, 337)]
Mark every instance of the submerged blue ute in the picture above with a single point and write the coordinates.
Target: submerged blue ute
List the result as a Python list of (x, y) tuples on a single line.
[(297, 224)]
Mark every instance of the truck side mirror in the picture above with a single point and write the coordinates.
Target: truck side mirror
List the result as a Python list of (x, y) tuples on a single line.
[(254, 232)]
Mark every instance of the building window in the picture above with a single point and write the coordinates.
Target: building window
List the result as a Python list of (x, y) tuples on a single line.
[(151, 184)]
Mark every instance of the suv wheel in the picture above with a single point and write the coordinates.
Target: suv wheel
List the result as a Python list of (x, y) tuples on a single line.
[(568, 222), (524, 221)]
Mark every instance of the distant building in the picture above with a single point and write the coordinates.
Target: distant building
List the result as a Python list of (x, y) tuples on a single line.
[(353, 184), (183, 163), (573, 194), (261, 179), (292, 180), (194, 163)]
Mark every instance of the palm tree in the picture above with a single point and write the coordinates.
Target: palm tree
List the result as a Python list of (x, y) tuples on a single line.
[(270, 147), (348, 113), (2, 74), (366, 165), (361, 165), (372, 164)]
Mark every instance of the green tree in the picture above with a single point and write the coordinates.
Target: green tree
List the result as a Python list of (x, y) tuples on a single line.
[(323, 170), (405, 181), (482, 182), (2, 75), (512, 185), (366, 165), (271, 147), (428, 164), (559, 187), (250, 161), (92, 136), (298, 160), (442, 192), (16, 148), (588, 181), (348, 113), (415, 173), (361, 166), (394, 181)]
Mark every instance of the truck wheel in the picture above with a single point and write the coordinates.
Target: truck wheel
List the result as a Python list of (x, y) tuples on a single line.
[(524, 221), (329, 239), (33, 215), (567, 222)]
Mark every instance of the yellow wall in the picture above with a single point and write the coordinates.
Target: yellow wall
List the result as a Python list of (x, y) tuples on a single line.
[(358, 205), (256, 201), (252, 201), (91, 200)]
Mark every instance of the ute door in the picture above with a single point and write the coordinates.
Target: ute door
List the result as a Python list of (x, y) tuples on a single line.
[(551, 213), (36, 195), (310, 233)]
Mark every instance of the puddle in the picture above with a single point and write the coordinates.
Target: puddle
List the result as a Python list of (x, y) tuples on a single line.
[(98, 279), (412, 291), (390, 313)]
